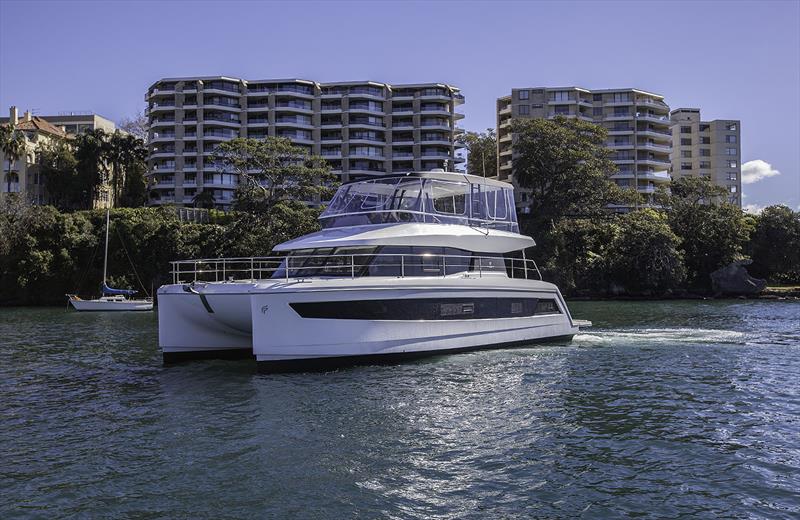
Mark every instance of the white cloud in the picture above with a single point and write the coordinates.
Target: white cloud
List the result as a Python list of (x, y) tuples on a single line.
[(753, 209), (757, 170)]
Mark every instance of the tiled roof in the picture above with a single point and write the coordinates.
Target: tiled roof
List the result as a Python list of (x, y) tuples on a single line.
[(41, 125)]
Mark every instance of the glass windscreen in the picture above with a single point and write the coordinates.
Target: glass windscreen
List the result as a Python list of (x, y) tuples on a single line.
[(414, 199)]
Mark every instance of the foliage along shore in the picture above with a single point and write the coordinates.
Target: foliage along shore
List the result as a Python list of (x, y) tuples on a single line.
[(667, 247)]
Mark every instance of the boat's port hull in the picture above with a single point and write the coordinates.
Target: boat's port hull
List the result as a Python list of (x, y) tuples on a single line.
[(190, 327)]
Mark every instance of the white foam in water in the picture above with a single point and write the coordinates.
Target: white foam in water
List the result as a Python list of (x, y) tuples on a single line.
[(640, 336)]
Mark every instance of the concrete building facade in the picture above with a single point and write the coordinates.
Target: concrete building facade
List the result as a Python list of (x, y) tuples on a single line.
[(637, 121), (363, 129), (710, 149)]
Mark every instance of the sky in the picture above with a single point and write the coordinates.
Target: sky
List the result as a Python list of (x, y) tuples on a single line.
[(731, 59)]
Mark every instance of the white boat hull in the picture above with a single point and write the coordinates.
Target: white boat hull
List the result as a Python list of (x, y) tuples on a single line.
[(106, 306), (258, 319)]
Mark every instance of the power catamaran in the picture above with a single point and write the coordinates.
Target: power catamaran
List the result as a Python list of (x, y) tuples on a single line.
[(404, 266), (111, 299)]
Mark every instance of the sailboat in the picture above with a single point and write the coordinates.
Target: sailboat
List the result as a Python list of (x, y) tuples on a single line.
[(112, 299)]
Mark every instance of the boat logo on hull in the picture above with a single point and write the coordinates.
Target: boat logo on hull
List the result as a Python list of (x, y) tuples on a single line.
[(264, 309)]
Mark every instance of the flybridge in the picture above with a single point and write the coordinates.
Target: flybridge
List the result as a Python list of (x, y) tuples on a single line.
[(434, 197)]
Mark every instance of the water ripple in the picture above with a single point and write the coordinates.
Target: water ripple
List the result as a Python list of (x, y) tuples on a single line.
[(662, 410)]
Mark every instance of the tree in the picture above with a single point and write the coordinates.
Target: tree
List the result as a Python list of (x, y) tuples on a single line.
[(59, 169), (91, 152), (713, 232), (482, 152), (775, 245), (204, 199), (272, 170), (124, 153), (644, 256), (12, 143), (135, 126), (566, 167)]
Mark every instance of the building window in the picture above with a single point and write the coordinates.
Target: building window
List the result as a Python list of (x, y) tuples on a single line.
[(523, 94), (686, 166), (562, 111), (524, 110), (622, 97), (686, 154), (730, 138), (733, 164), (732, 176), (733, 189), (705, 152), (561, 95), (686, 129), (730, 127), (597, 111), (705, 140), (705, 165), (730, 151), (536, 105), (686, 141), (704, 128)]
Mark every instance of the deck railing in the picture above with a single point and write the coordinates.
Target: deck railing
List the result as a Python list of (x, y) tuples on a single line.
[(349, 266)]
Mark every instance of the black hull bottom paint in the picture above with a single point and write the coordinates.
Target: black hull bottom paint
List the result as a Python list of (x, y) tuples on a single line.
[(332, 363), (177, 357)]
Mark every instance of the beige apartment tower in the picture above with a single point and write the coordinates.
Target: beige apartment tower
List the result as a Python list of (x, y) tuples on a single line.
[(710, 149), (363, 129), (637, 121)]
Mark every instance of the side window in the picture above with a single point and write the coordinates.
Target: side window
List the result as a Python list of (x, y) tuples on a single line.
[(449, 198)]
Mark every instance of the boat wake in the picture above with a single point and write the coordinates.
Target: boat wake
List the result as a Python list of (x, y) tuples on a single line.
[(658, 336)]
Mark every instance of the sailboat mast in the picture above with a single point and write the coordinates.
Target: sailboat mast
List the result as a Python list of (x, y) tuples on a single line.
[(105, 257)]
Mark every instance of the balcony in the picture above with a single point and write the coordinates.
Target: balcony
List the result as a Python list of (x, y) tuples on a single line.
[(365, 92), (654, 161), (257, 121), (161, 137), (221, 88), (221, 121), (659, 176), (162, 106), (162, 153), (617, 117), (644, 116), (435, 124), (293, 90), (162, 122), (656, 147), (619, 146), (222, 106), (409, 125), (294, 106)]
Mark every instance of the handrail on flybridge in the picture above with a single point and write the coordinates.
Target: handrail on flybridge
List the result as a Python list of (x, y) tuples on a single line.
[(348, 266)]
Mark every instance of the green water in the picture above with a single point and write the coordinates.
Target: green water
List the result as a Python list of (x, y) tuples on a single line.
[(662, 410)]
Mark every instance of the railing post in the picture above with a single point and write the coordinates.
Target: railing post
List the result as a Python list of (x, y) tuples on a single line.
[(444, 266), (480, 267), (352, 267), (288, 260), (252, 269), (224, 273), (402, 266), (525, 264)]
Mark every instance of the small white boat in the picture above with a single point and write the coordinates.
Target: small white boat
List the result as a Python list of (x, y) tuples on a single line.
[(112, 299)]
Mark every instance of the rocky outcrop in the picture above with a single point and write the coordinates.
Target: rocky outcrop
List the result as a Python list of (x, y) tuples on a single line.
[(734, 280)]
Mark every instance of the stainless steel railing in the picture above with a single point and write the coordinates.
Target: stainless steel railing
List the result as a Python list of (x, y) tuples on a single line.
[(349, 266)]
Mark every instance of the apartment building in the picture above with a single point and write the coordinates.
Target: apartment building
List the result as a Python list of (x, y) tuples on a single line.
[(710, 149), (362, 128), (637, 121)]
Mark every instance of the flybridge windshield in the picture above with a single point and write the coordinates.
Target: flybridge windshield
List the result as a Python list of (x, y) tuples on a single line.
[(414, 199)]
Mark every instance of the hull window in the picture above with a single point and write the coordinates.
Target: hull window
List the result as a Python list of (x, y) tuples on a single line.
[(427, 309)]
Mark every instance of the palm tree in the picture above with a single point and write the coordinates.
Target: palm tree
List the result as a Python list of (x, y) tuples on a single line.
[(12, 143), (91, 151)]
